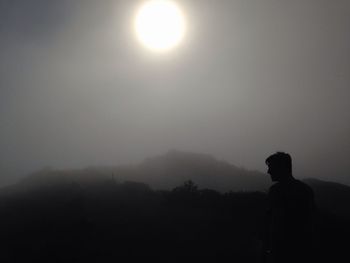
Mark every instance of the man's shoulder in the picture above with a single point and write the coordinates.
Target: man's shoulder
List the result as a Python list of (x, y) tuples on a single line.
[(303, 187), (295, 185)]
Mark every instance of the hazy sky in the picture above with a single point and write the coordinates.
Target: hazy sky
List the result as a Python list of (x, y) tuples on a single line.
[(251, 77)]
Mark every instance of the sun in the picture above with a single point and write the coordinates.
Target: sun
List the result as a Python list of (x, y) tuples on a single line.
[(160, 25)]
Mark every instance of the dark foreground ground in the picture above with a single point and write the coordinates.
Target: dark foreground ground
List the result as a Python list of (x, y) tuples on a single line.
[(131, 223)]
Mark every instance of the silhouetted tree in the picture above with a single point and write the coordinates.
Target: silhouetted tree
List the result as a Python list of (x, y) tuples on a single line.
[(187, 187)]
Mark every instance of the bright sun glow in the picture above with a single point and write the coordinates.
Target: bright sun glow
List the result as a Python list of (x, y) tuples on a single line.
[(160, 25)]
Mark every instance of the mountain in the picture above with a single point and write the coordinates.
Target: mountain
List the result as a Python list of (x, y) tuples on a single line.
[(160, 172), (172, 169), (105, 214), (331, 196), (175, 167)]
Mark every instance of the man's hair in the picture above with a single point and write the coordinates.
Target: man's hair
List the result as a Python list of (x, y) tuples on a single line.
[(281, 160)]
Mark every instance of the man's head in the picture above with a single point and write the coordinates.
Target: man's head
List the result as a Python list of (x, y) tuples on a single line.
[(280, 166)]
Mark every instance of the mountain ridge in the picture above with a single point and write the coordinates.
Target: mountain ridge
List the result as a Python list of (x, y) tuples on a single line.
[(164, 171), (169, 170)]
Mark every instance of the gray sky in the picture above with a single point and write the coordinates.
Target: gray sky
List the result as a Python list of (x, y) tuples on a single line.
[(251, 77)]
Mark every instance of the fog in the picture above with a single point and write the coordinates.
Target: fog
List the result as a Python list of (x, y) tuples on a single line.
[(250, 78)]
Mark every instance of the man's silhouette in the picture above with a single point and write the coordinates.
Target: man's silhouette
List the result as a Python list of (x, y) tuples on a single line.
[(291, 204)]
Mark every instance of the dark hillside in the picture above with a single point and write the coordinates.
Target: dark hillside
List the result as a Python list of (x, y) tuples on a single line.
[(110, 221)]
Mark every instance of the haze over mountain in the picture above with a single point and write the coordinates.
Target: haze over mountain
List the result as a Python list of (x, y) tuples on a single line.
[(161, 172), (167, 171), (172, 169)]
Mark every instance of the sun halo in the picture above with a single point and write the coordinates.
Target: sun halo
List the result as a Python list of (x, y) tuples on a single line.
[(160, 25)]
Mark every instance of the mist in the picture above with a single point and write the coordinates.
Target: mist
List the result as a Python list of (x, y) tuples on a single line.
[(250, 78)]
